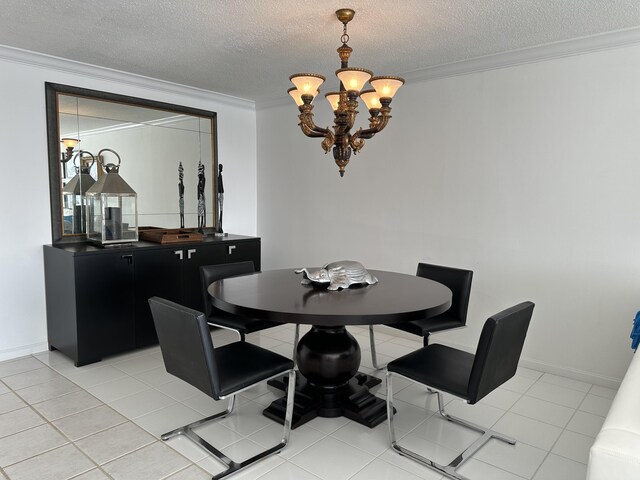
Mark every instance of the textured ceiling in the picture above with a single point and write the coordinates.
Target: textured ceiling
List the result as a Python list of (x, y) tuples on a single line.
[(248, 48)]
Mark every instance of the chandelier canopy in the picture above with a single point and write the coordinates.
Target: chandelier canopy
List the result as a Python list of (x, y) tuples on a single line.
[(345, 102)]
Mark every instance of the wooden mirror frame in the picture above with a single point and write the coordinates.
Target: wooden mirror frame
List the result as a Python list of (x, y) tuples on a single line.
[(52, 90)]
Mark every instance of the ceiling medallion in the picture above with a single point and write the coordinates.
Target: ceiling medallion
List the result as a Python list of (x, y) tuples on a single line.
[(344, 102)]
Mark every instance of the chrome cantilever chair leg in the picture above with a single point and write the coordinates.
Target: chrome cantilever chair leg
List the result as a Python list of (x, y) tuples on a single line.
[(374, 356), (229, 329), (233, 467), (296, 337), (449, 470)]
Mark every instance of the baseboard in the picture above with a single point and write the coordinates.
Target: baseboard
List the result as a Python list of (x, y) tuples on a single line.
[(12, 353), (537, 365), (573, 373)]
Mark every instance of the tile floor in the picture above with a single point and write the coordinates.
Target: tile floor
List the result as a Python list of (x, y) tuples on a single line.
[(103, 421)]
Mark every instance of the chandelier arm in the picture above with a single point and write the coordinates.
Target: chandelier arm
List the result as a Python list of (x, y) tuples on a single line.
[(329, 141), (356, 141), (309, 128), (377, 125)]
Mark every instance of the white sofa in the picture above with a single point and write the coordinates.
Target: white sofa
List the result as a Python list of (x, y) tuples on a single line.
[(615, 455)]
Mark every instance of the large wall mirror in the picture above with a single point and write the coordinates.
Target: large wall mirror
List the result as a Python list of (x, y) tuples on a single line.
[(152, 139)]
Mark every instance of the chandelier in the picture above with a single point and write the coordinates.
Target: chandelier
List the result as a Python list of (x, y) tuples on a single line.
[(344, 102)]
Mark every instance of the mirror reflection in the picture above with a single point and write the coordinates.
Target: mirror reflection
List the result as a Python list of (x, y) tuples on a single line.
[(166, 157)]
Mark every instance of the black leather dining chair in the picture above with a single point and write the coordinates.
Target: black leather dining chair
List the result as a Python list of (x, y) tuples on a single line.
[(222, 372), (459, 282), (464, 375), (241, 325)]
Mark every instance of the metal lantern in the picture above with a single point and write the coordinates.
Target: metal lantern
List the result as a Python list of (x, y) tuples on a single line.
[(112, 207), (73, 194)]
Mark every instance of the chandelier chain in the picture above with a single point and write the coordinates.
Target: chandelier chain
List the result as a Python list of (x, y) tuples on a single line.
[(345, 37)]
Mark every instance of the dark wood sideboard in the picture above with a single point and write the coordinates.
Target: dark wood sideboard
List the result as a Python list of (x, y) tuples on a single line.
[(96, 297)]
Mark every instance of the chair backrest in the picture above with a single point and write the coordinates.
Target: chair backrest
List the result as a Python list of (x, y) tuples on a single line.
[(459, 282), (499, 350), (212, 273), (186, 345)]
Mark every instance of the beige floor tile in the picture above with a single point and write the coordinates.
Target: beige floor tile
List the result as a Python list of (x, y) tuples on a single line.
[(573, 446), (142, 403), (3, 388), (59, 464), (32, 377), (28, 443), (149, 463), (115, 442), (155, 377), (122, 387), (190, 473), (13, 367), (66, 405), (10, 401), (90, 421), (45, 391), (95, 474), (18, 420)]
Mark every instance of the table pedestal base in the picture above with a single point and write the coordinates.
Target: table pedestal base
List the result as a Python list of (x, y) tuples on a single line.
[(352, 400), (329, 384)]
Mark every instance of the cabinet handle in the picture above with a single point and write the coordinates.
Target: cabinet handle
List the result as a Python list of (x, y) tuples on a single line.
[(179, 253), (231, 249), (190, 252), (128, 258)]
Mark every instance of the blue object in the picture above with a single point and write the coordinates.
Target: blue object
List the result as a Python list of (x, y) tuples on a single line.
[(635, 332)]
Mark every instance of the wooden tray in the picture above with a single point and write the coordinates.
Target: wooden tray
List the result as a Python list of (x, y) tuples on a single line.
[(169, 235)]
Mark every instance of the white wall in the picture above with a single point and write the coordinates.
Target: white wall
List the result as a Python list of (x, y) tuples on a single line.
[(527, 175), (24, 193)]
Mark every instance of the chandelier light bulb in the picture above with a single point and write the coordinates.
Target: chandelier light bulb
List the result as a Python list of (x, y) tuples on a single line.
[(333, 98), (386, 86), (307, 83), (354, 79), (371, 99), (297, 95), (70, 142)]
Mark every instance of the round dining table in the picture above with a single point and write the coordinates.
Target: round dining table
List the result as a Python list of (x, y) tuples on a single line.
[(328, 356)]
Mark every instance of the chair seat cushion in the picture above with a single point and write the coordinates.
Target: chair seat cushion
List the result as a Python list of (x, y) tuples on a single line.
[(242, 364), (428, 325), (242, 324), (443, 368)]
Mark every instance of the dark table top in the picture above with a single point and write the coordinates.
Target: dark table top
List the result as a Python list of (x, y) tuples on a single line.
[(278, 295)]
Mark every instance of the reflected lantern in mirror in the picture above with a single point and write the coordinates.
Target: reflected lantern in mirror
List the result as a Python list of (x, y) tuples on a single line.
[(73, 194), (112, 207)]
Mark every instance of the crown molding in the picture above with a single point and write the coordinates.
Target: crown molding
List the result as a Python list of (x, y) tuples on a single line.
[(540, 53), (41, 60)]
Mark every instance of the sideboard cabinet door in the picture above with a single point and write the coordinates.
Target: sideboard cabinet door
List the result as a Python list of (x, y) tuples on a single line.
[(194, 258), (173, 274), (104, 300), (157, 273), (90, 303), (243, 252)]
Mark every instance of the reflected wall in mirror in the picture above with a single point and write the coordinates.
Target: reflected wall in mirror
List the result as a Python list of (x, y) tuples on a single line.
[(152, 138)]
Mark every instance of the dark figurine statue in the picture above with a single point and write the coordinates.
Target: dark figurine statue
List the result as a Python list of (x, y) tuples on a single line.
[(220, 199), (202, 209), (181, 193)]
